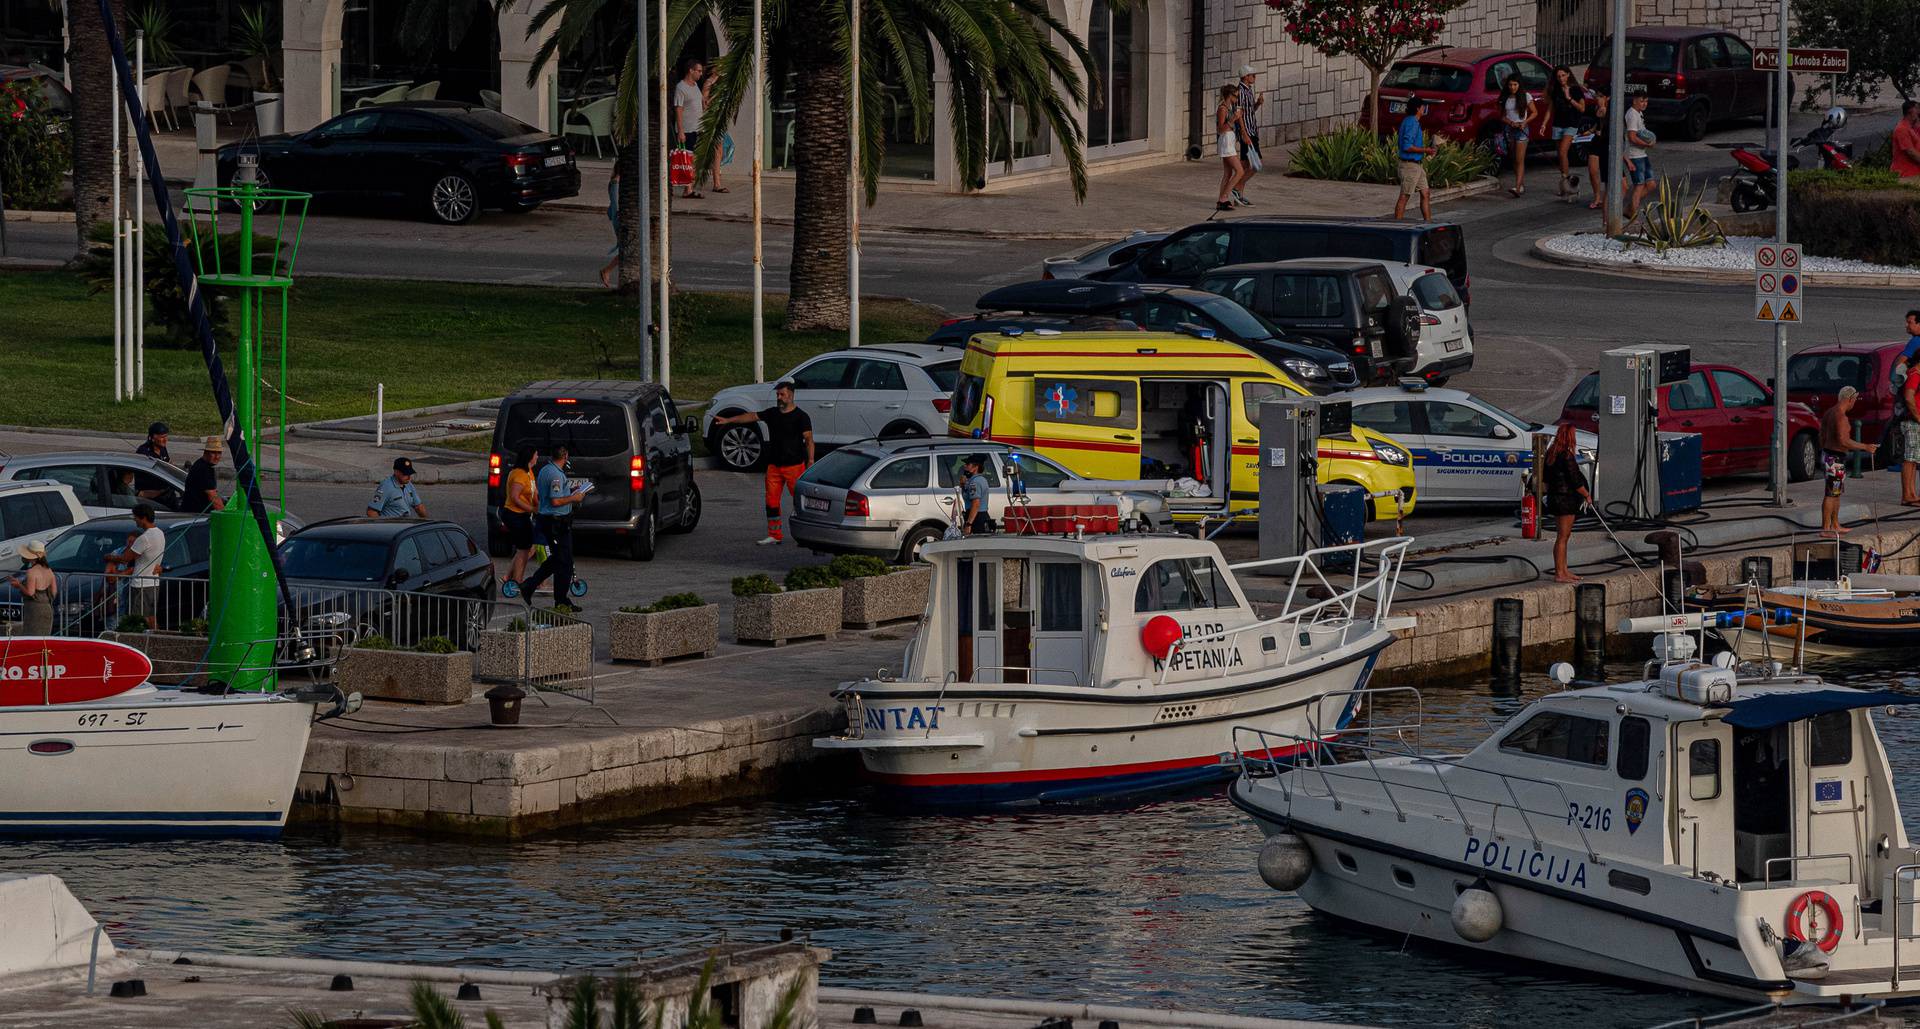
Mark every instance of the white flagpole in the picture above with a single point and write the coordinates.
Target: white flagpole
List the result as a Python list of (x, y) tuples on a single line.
[(759, 143), (853, 211), (119, 258), (666, 250), (137, 299)]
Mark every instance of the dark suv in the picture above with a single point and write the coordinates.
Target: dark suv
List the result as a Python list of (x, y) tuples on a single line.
[(1197, 249), (1311, 363), (1346, 304), (1693, 75), (387, 576), (626, 437)]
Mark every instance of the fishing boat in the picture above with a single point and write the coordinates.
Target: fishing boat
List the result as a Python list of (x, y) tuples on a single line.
[(89, 746), (1070, 666), (1862, 610), (1720, 827)]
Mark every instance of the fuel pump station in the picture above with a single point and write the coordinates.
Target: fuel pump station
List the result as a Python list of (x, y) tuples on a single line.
[(1643, 472), (1294, 517)]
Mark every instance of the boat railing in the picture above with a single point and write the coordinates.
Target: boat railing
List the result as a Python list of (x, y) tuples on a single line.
[(1316, 758), (1306, 573), (1793, 867), (980, 670), (1901, 899)]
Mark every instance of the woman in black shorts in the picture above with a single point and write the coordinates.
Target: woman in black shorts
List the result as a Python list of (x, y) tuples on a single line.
[(516, 511), (1566, 494)]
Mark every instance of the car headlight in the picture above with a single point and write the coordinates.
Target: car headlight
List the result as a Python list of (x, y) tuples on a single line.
[(1390, 454), (1303, 368), (329, 620)]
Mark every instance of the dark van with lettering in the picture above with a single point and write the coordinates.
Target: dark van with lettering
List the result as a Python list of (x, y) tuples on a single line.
[(1183, 257), (626, 437)]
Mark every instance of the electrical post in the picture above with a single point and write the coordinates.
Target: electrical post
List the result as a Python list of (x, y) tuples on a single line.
[(119, 259), (641, 191), (137, 239), (853, 212), (666, 193), (1616, 124), (759, 142), (1779, 464)]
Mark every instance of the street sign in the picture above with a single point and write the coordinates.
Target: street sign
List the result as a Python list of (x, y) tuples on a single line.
[(1777, 280), (1805, 59)]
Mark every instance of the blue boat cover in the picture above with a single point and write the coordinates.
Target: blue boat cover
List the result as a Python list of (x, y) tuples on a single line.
[(1770, 709)]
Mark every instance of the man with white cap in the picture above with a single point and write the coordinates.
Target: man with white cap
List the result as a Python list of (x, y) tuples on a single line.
[(1250, 101), (202, 492)]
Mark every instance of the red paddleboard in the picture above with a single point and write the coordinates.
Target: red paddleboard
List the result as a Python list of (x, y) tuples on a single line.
[(59, 670)]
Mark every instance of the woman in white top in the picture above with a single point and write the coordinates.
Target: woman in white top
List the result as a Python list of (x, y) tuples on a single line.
[(1516, 113), (1233, 171)]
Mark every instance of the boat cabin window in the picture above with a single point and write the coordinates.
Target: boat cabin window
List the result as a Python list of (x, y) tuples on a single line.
[(1060, 607), (1182, 584), (1703, 770), (1830, 739), (1561, 736), (1636, 735)]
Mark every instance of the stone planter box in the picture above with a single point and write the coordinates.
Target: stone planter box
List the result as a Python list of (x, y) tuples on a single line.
[(873, 599), (178, 659), (554, 653), (653, 637), (406, 675), (776, 618)]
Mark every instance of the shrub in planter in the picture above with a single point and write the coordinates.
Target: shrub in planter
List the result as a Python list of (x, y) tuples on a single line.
[(890, 595), (811, 577), (854, 566), (431, 673), (679, 625), (766, 613), (757, 584), (1849, 217)]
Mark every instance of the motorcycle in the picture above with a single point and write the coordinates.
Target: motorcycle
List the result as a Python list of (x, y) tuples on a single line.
[(1753, 184)]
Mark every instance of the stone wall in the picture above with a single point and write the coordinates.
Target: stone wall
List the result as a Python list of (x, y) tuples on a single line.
[(1307, 92), (1755, 21)]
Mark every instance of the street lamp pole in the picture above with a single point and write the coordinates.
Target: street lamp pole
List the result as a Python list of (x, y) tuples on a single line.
[(640, 186), (759, 144), (853, 211), (1781, 99), (666, 245), (1616, 124)]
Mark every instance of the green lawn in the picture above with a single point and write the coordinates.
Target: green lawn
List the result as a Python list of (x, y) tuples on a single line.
[(430, 342)]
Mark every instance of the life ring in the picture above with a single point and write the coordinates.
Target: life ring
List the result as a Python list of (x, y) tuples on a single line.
[(1829, 906)]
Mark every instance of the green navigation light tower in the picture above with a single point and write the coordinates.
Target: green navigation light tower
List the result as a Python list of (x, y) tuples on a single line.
[(242, 601)]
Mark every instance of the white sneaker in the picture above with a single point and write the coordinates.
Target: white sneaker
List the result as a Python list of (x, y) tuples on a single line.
[(770, 541)]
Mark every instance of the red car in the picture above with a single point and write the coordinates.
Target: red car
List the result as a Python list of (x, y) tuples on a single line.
[(1732, 412), (1462, 88), (1815, 375), (1693, 75)]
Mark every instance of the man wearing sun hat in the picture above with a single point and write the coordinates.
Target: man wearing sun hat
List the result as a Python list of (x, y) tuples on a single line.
[(1250, 101), (202, 492)]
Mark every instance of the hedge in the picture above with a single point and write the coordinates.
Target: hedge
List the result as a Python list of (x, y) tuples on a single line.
[(1850, 217)]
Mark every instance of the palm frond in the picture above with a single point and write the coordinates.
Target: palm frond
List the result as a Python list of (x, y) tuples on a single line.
[(306, 1019), (629, 1010), (494, 1021), (701, 1013), (789, 1005), (583, 1010), (432, 1009)]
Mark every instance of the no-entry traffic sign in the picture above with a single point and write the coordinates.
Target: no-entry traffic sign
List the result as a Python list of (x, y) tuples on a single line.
[(1819, 62), (1777, 279)]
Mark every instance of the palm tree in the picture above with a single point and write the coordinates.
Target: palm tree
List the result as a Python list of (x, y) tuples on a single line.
[(91, 62), (994, 49)]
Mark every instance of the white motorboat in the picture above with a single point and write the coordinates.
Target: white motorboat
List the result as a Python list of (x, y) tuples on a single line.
[(1725, 828), (140, 758), (1059, 668)]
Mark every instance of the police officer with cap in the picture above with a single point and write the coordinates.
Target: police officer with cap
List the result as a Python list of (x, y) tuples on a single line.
[(395, 497)]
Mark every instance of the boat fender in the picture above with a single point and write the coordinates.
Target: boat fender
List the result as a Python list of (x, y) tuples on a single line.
[(1477, 915), (1829, 908), (1285, 862)]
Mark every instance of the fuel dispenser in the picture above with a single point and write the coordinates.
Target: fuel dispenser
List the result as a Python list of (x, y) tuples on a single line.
[(1293, 518), (1643, 472)]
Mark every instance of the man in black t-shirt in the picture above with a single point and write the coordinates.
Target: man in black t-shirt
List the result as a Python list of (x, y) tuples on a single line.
[(203, 481), (789, 451)]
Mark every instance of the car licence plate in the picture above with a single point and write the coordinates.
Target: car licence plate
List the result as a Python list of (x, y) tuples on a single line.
[(813, 504), (1455, 344), (556, 161), (1396, 107), (1636, 87)]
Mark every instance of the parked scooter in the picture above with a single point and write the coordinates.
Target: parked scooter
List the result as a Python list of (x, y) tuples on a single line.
[(1753, 184)]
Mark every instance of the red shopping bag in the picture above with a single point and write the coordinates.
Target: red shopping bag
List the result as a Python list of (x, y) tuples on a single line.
[(680, 167)]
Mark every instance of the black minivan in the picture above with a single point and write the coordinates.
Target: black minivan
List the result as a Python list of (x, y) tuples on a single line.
[(1184, 256), (624, 436)]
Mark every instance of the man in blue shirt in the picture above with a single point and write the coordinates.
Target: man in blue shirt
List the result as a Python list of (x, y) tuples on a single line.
[(1413, 155), (395, 497), (1913, 337), (554, 519)]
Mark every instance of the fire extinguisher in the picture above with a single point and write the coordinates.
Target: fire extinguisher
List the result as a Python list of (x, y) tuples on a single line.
[(1530, 517)]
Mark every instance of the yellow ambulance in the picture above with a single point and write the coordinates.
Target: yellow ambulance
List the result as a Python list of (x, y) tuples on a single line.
[(1153, 405)]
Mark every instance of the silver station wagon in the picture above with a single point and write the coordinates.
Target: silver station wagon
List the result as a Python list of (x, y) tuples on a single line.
[(891, 497)]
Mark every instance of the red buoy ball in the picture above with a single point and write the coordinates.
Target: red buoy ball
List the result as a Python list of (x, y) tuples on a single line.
[(1160, 635)]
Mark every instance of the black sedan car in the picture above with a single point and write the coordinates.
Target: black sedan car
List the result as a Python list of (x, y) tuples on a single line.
[(402, 578), (89, 601), (1039, 304), (439, 158)]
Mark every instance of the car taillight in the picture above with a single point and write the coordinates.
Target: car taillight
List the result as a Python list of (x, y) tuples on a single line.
[(951, 321), (943, 404), (493, 471), (1427, 319), (1046, 272), (857, 506), (986, 417), (522, 164), (637, 474), (1680, 85), (1459, 112)]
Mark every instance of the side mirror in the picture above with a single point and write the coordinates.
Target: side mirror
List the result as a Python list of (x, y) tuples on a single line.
[(690, 424), (1502, 432), (399, 576)]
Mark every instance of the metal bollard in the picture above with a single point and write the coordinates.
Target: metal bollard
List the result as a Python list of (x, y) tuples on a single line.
[(1507, 621), (1757, 570), (1590, 631)]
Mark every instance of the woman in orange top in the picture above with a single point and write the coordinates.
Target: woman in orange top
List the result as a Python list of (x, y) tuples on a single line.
[(517, 513)]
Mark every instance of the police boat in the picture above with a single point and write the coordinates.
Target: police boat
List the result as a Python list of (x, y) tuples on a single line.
[(1071, 666), (1721, 827)]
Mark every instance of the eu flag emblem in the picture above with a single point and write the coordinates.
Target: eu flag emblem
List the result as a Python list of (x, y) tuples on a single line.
[(1828, 791)]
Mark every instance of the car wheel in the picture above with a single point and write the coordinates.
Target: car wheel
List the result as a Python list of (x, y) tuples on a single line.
[(904, 430), (1695, 125), (919, 537), (690, 512), (452, 199), (644, 541), (1803, 457), (738, 447)]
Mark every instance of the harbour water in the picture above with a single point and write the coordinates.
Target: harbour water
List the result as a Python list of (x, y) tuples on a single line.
[(1153, 904)]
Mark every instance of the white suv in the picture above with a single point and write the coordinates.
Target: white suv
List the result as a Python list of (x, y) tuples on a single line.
[(883, 391), (34, 512)]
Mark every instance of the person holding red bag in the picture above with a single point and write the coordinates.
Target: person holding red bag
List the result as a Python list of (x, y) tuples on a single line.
[(689, 104)]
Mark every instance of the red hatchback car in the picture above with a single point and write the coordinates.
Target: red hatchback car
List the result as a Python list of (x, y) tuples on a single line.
[(1693, 75), (1732, 412), (1462, 88), (1816, 374)]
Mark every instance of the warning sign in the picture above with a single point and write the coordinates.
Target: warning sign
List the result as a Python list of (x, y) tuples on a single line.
[(1777, 280)]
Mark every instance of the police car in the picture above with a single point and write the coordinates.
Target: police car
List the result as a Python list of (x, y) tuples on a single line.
[(1465, 449)]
